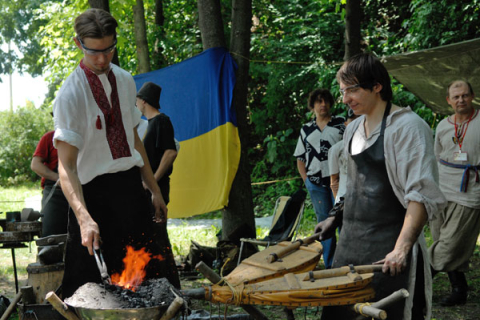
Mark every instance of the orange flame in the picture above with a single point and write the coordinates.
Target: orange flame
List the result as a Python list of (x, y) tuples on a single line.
[(134, 272)]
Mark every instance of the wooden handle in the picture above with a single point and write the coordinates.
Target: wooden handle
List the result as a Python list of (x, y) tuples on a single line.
[(387, 301), (172, 309), (370, 311), (28, 297), (12, 306), (197, 294), (60, 306), (291, 247), (207, 272), (215, 278), (338, 272)]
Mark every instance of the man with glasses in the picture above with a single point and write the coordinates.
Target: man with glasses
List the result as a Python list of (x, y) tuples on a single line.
[(392, 190), (455, 231), (102, 161)]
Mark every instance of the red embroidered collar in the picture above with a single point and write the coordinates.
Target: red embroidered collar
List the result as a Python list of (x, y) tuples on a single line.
[(115, 131)]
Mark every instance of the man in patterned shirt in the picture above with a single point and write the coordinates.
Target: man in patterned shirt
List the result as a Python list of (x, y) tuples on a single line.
[(316, 138)]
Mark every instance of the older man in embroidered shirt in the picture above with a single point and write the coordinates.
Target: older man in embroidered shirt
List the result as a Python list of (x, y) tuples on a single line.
[(102, 161), (455, 232)]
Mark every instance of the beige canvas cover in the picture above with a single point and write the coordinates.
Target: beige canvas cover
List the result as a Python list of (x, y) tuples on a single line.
[(427, 73)]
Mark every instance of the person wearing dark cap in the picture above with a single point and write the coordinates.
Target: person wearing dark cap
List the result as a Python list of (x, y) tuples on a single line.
[(161, 151), (159, 139)]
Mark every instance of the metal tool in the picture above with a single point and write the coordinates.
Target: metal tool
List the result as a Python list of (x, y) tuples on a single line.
[(102, 266)]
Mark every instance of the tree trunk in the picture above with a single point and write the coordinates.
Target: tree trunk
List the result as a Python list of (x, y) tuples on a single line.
[(159, 16), (99, 4), (141, 37), (238, 218), (211, 24), (352, 28), (158, 60), (103, 4)]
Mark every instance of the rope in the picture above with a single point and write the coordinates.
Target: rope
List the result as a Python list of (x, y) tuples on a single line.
[(225, 312), (236, 295), (270, 61), (224, 264), (273, 181), (359, 308), (466, 173)]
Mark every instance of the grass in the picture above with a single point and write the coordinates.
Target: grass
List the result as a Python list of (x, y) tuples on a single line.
[(11, 199)]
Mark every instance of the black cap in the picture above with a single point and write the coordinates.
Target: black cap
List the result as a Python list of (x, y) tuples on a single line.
[(150, 92)]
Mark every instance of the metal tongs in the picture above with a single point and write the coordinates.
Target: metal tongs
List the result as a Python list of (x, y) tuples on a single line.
[(102, 266)]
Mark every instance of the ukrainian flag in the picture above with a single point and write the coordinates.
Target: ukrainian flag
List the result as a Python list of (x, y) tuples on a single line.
[(197, 96)]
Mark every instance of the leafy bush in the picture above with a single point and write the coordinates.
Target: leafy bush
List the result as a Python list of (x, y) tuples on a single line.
[(20, 131)]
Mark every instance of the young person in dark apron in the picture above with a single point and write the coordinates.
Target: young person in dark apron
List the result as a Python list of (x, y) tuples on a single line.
[(379, 226)]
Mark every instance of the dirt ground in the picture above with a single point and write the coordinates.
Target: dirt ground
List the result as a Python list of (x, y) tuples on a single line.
[(470, 311)]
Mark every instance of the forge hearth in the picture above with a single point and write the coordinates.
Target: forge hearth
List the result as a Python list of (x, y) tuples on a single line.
[(151, 293)]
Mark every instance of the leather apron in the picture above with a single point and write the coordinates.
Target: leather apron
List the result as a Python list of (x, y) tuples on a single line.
[(372, 220)]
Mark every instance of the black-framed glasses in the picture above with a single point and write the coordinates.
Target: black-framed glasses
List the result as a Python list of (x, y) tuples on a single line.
[(95, 52), (350, 90)]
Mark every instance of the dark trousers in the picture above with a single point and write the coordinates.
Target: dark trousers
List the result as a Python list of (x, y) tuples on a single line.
[(166, 267), (54, 211), (119, 205)]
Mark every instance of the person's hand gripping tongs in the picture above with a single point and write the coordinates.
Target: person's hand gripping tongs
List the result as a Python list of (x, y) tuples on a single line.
[(102, 266)]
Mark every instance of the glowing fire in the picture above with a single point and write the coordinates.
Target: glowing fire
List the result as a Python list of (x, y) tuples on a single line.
[(134, 272)]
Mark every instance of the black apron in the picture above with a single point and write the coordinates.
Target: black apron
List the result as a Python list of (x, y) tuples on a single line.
[(119, 205), (372, 220)]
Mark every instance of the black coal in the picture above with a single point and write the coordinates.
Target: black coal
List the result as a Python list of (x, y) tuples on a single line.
[(151, 293)]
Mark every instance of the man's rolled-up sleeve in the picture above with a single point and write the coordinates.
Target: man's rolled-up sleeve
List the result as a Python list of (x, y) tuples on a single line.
[(412, 166), (67, 124)]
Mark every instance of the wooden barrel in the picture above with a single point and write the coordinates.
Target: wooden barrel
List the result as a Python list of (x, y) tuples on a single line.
[(44, 278)]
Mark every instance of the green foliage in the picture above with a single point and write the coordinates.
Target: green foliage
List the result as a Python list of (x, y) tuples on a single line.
[(442, 22), (295, 47), (56, 37), (19, 28), (265, 195), (294, 44), (382, 26), (179, 38), (175, 41), (20, 132)]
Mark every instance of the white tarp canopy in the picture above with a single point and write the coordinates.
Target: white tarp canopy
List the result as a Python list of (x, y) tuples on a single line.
[(427, 73)]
